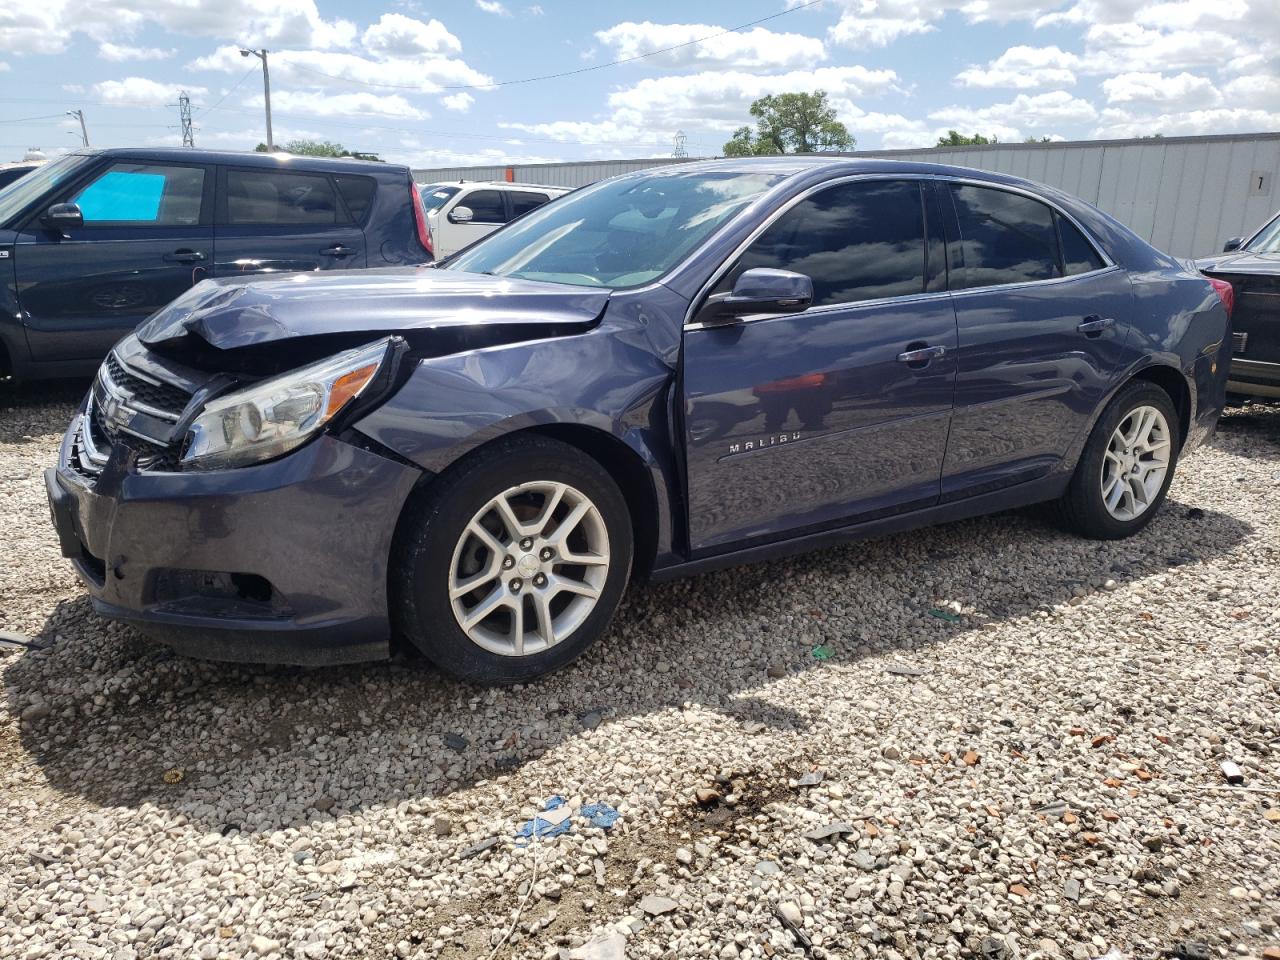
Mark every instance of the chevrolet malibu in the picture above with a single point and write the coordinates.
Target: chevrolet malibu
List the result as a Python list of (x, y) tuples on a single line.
[(667, 372)]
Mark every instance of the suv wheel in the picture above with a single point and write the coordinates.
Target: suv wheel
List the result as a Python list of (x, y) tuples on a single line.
[(514, 562), (1126, 467)]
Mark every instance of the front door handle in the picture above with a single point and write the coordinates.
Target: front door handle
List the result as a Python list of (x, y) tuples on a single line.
[(184, 256), (1094, 326), (337, 250), (920, 356)]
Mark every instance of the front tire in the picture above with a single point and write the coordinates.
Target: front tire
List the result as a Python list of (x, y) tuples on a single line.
[(1126, 466), (513, 562)]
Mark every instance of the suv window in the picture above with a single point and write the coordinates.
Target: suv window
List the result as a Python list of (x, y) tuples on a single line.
[(143, 193), (857, 241), (269, 196), (357, 194), (1078, 254), (1005, 237), (486, 206), (522, 201)]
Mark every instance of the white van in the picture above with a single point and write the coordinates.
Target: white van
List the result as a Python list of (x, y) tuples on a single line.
[(461, 212)]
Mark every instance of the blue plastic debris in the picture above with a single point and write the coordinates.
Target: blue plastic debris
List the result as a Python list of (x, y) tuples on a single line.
[(599, 815), (551, 826)]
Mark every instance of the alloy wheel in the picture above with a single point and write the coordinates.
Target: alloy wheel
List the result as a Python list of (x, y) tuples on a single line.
[(1135, 463), (529, 568)]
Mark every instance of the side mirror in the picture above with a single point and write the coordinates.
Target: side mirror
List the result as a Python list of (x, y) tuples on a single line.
[(461, 214), (63, 216), (1235, 243), (761, 290)]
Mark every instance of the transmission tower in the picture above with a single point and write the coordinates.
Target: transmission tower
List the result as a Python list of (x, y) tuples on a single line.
[(677, 145), (184, 117)]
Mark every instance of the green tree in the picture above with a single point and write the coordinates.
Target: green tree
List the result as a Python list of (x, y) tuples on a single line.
[(956, 139), (1037, 140), (319, 148), (790, 123)]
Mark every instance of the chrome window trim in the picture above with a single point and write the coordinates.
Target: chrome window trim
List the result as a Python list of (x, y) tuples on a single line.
[(718, 274)]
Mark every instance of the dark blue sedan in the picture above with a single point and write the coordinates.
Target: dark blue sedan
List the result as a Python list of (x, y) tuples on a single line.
[(663, 373)]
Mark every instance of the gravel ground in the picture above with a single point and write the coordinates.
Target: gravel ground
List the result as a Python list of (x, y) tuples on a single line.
[(1013, 747)]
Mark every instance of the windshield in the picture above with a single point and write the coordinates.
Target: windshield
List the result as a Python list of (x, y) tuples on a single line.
[(1267, 240), (434, 196), (619, 233), (24, 191)]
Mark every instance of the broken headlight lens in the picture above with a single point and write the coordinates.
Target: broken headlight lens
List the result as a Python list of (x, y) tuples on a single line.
[(268, 419)]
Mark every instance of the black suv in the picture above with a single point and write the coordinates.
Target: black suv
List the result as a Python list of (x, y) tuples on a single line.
[(96, 241)]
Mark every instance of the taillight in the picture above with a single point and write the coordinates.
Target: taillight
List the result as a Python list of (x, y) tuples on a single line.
[(420, 219), (1226, 293)]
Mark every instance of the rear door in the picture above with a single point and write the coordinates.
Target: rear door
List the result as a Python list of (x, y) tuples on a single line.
[(839, 413), (147, 237), (1042, 322), (272, 220)]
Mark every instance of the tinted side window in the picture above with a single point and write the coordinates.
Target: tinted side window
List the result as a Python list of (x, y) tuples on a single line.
[(267, 196), (1078, 255), (857, 241), (523, 202), (486, 206), (1006, 238), (357, 194), (143, 193)]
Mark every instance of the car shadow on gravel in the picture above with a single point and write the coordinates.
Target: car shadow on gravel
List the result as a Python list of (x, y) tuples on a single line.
[(1257, 425), (109, 716)]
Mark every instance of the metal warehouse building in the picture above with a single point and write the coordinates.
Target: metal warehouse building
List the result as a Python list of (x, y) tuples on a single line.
[(1184, 194)]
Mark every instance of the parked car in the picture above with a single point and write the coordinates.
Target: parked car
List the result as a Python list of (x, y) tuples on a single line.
[(10, 172), (1252, 267), (460, 213), (94, 242), (667, 372)]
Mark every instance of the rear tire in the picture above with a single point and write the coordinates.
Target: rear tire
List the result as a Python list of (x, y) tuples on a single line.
[(1126, 467), (513, 562)]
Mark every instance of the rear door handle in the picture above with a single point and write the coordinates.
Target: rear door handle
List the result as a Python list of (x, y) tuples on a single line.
[(920, 356), (1093, 326), (337, 250), (184, 256)]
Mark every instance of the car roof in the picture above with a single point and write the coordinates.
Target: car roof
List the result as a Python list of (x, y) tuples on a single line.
[(247, 158), (793, 164), (500, 184)]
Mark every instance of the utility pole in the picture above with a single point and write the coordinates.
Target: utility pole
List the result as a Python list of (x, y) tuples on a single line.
[(79, 115), (266, 89), (184, 117)]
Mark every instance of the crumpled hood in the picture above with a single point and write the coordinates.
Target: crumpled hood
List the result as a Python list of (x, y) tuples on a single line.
[(238, 312), (1242, 263)]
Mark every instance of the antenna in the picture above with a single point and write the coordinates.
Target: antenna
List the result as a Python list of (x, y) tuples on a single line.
[(184, 117), (677, 145)]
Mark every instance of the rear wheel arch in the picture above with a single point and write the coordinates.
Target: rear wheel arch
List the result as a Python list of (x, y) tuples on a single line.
[(1171, 381)]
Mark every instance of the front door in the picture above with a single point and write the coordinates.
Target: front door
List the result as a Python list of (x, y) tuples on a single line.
[(797, 422), (1042, 324), (274, 221), (146, 239), (488, 212)]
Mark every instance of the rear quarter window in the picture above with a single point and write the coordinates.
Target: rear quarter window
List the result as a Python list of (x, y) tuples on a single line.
[(357, 194)]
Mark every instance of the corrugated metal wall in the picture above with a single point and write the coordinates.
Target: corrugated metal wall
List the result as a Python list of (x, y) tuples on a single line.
[(1184, 194)]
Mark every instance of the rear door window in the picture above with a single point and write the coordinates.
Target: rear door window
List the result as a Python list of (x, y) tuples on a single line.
[(857, 241), (129, 193), (274, 197), (522, 201), (486, 206), (1005, 238)]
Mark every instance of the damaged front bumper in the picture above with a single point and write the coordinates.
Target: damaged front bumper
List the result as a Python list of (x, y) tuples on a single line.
[(281, 562)]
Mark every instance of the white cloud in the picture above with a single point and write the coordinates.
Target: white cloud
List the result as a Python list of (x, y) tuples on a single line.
[(118, 53), (139, 91), (1119, 123), (395, 35), (590, 132), (535, 10), (740, 50), (878, 23), (1025, 115), (494, 7), (1184, 90), (1259, 91), (1024, 68), (337, 70), (461, 102), (318, 104), (1128, 47), (858, 31)]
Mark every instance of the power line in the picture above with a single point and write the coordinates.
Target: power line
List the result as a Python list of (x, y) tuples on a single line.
[(47, 116), (252, 69), (552, 76)]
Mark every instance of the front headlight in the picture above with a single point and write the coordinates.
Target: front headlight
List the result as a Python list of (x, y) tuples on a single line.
[(270, 418)]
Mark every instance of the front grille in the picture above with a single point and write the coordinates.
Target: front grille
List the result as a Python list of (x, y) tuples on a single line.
[(161, 398)]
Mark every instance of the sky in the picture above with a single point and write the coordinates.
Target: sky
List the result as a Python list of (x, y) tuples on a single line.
[(466, 81)]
